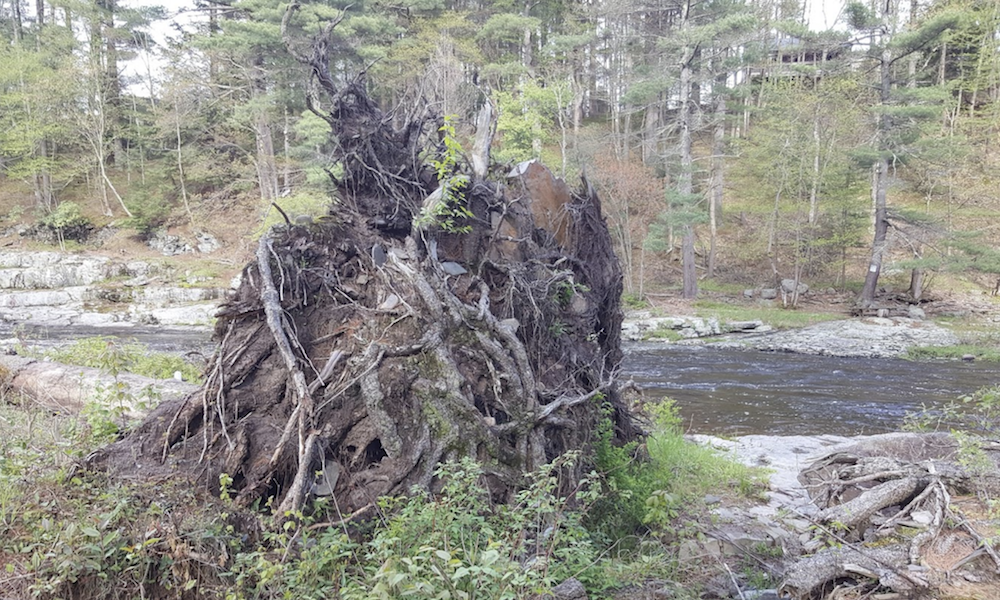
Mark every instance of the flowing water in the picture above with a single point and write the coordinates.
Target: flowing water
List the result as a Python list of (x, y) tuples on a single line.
[(730, 392), (736, 392)]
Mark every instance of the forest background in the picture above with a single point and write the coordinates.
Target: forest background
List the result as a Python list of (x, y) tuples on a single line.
[(731, 144)]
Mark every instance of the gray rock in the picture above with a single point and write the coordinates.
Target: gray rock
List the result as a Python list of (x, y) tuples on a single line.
[(788, 286), (207, 243), (168, 245), (571, 589), (870, 337), (768, 294), (748, 293), (453, 268), (916, 313), (968, 357)]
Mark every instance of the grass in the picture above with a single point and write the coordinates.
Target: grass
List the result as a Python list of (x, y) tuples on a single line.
[(71, 533), (107, 353), (982, 353), (664, 333), (779, 318)]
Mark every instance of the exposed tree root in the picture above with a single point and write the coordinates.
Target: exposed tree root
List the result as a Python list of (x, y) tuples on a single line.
[(883, 503), (361, 352)]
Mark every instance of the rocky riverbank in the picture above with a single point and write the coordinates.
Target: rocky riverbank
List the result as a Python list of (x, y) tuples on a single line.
[(60, 289), (867, 337), (893, 516)]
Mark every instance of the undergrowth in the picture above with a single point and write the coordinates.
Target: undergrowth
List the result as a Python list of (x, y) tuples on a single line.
[(65, 532), (989, 353), (107, 353), (976, 414), (780, 318)]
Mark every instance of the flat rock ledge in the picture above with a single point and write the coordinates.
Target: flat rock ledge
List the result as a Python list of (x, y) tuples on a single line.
[(866, 337), (869, 337), (642, 326)]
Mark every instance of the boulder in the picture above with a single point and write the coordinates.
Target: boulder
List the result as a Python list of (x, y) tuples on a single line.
[(768, 294), (788, 286)]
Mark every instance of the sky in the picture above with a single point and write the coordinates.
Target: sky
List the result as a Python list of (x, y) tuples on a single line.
[(822, 14)]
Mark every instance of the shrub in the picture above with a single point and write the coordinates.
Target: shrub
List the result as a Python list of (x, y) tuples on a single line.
[(108, 354)]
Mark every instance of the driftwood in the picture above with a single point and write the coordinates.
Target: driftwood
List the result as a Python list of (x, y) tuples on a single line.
[(362, 351), (68, 388), (884, 501)]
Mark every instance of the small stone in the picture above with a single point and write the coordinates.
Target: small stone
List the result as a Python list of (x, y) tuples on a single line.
[(571, 589), (748, 293), (769, 293), (378, 255), (916, 313), (788, 286), (922, 517), (453, 268), (178, 376), (391, 301), (710, 499), (968, 357)]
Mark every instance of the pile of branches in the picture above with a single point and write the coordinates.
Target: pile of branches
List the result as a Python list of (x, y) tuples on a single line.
[(361, 351), (886, 507)]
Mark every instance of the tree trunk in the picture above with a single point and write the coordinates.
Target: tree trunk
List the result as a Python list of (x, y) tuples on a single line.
[(267, 168), (685, 187), (916, 284), (718, 171), (880, 180)]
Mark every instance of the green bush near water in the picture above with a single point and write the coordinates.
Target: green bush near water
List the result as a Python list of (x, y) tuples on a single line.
[(984, 353), (95, 352)]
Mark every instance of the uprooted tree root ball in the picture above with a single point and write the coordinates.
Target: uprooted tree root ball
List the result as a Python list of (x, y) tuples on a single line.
[(362, 351)]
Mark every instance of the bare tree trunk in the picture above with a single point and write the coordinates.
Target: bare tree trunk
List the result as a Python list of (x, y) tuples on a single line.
[(878, 250), (685, 187), (881, 177), (917, 284), (180, 164), (718, 173), (267, 169)]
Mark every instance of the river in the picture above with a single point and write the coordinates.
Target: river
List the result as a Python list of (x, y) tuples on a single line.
[(735, 392), (729, 392)]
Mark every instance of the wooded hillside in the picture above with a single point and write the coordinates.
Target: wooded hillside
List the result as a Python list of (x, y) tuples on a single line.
[(730, 143)]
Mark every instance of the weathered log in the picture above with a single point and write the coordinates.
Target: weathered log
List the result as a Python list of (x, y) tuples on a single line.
[(68, 388)]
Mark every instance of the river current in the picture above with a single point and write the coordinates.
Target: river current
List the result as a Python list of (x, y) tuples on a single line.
[(735, 392), (729, 392)]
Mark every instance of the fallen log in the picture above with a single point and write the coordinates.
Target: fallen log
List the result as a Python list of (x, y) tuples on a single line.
[(68, 388)]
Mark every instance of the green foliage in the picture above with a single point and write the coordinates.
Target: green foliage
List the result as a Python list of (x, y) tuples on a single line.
[(71, 534), (304, 205), (528, 117), (66, 216), (454, 545), (68, 221), (449, 208), (977, 414), (150, 206), (114, 357), (661, 492)]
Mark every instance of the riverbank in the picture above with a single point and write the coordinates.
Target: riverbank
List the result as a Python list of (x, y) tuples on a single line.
[(824, 329)]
